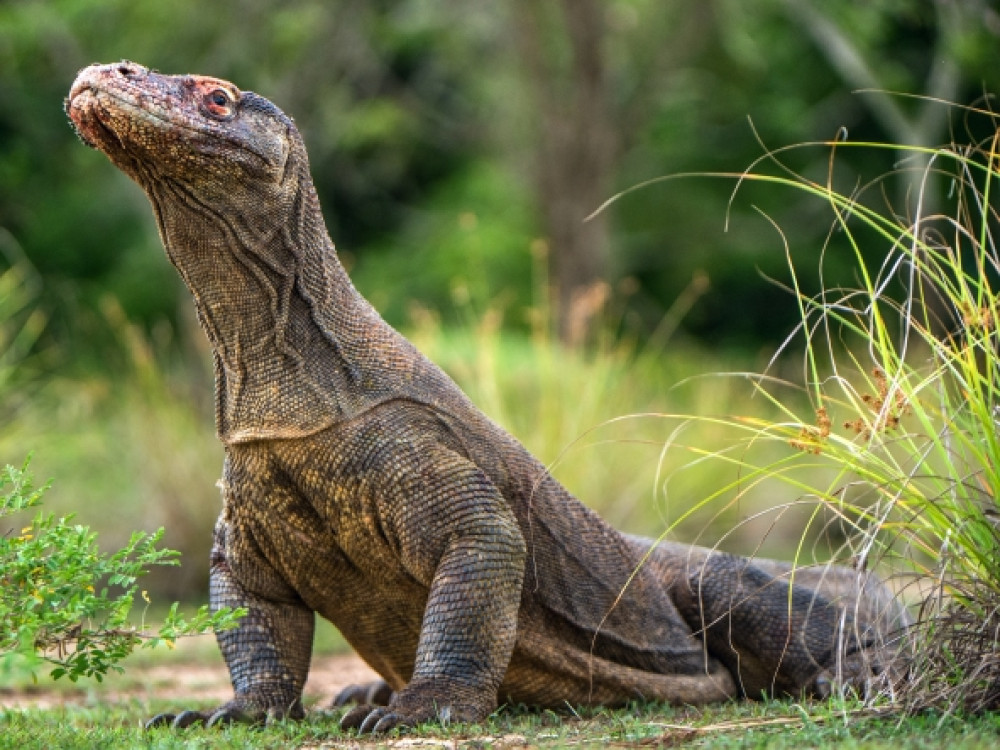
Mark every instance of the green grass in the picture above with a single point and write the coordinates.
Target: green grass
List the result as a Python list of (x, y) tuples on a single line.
[(773, 725)]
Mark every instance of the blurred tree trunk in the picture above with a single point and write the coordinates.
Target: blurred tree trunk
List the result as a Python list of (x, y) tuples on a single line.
[(590, 68), (562, 46)]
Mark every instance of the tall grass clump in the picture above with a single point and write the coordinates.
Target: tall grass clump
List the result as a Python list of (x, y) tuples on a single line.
[(896, 450), (21, 321)]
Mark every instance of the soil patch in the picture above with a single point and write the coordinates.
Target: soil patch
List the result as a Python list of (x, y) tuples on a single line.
[(206, 681)]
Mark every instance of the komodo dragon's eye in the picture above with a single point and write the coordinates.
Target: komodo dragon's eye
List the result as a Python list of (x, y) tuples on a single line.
[(219, 102)]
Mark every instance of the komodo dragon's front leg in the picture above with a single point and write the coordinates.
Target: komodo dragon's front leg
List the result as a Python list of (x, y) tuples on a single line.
[(454, 533), (428, 513), (267, 653)]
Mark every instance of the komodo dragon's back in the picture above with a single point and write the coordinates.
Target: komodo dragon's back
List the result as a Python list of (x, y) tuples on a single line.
[(361, 484)]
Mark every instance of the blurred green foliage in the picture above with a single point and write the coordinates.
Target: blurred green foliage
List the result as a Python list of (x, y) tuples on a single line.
[(422, 131)]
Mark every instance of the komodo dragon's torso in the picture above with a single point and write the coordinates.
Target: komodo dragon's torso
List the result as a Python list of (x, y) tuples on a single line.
[(360, 483)]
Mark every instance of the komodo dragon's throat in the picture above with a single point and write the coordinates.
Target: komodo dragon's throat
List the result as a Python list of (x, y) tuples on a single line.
[(361, 484)]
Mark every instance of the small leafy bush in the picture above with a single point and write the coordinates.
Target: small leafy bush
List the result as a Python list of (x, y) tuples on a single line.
[(67, 606)]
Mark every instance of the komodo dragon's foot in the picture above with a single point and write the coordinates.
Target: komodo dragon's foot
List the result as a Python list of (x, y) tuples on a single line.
[(237, 711), (422, 701), (863, 672)]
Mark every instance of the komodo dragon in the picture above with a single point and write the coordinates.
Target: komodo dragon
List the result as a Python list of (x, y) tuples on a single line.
[(361, 484)]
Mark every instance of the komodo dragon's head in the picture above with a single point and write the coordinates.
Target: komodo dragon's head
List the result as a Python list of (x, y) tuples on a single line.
[(187, 130), (228, 178)]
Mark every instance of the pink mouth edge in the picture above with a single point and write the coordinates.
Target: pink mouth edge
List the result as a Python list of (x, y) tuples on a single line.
[(84, 112)]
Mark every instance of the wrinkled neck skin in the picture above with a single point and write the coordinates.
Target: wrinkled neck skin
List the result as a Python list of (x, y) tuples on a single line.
[(296, 348), (273, 298)]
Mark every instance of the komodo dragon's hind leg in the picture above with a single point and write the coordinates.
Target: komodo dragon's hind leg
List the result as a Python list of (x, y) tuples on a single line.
[(781, 629)]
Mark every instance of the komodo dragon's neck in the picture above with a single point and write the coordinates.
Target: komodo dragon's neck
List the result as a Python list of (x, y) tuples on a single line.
[(296, 347), (281, 314)]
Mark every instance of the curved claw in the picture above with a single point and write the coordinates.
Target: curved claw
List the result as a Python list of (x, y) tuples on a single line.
[(387, 723), (350, 694), (354, 718), (376, 693), (187, 719), (374, 719), (234, 712), (368, 719), (160, 720), (226, 716)]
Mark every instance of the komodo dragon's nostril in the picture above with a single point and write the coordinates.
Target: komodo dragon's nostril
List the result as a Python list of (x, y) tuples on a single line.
[(129, 70)]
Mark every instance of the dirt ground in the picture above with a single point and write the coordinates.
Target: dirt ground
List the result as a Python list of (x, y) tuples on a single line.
[(200, 675), (183, 677)]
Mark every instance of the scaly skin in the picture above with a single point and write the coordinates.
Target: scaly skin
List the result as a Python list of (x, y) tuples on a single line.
[(361, 484)]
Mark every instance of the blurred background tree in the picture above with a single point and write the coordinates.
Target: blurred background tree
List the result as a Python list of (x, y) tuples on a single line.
[(449, 138), (457, 148)]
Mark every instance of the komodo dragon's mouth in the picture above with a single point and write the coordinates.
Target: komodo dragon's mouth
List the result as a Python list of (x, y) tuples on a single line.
[(91, 106), (87, 115)]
